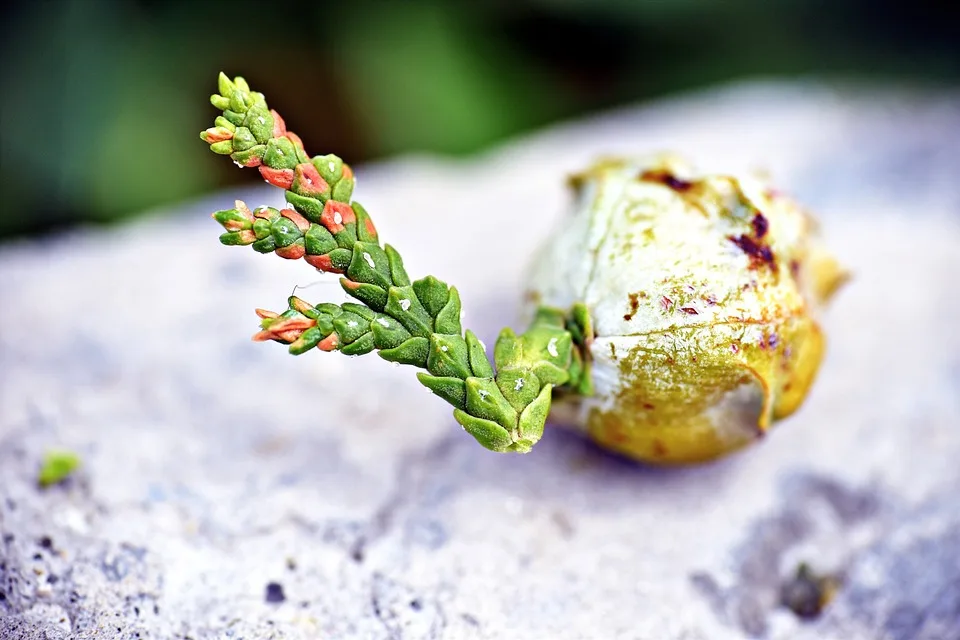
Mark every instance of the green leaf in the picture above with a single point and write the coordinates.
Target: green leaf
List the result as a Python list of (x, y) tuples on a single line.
[(508, 350), (309, 208), (450, 389), (285, 232), (479, 363), (340, 259), (403, 304), (224, 85), (308, 340), (534, 417), (366, 232), (432, 293), (359, 347), (350, 327), (387, 332), (244, 157), (330, 168), (369, 294), (232, 216), (343, 190), (56, 467), (280, 154), (369, 264), (414, 351), (485, 400), (265, 245), (397, 273), (487, 433), (242, 138), (362, 311), (318, 241), (448, 320), (260, 122), (220, 102), (448, 356), (518, 386)]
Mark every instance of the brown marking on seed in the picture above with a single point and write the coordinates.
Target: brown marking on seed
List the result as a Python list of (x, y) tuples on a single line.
[(634, 306), (648, 406), (795, 269), (659, 449), (759, 254), (710, 300), (666, 178), (689, 311), (760, 225), (735, 348), (666, 303)]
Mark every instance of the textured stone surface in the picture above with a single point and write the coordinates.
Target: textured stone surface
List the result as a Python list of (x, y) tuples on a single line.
[(229, 490)]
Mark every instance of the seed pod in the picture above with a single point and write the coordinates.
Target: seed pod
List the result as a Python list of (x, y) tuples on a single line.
[(704, 293)]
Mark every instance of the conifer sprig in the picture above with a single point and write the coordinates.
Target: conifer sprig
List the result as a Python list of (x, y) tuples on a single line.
[(409, 322)]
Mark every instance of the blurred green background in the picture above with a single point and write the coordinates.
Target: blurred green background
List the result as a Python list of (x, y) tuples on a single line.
[(103, 99)]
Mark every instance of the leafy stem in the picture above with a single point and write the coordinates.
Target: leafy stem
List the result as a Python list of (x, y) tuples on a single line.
[(410, 322)]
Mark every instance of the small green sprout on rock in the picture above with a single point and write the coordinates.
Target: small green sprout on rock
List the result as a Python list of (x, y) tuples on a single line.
[(56, 467), (504, 404)]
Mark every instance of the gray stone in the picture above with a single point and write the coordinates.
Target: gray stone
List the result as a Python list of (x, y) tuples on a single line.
[(214, 467)]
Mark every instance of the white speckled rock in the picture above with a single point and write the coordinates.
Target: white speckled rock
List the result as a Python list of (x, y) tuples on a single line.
[(214, 467)]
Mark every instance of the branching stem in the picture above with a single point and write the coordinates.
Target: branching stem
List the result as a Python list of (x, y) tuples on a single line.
[(410, 322)]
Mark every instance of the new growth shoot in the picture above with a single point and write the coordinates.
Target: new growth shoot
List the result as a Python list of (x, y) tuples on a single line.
[(503, 405)]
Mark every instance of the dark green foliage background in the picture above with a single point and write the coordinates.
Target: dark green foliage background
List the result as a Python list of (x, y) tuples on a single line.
[(103, 99)]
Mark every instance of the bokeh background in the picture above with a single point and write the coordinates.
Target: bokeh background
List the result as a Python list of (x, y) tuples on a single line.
[(103, 99)]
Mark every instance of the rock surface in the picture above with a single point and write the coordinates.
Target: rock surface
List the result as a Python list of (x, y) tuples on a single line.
[(231, 491)]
